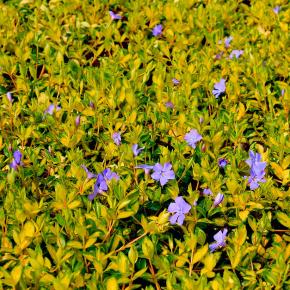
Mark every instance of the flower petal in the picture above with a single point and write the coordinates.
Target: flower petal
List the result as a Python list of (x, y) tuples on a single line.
[(173, 207), (180, 219), (173, 218)]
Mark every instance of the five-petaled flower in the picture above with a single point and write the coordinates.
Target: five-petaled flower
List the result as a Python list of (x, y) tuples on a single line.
[(78, 120), (282, 92), (276, 9), (163, 173), (222, 162), (169, 105), (90, 175), (218, 199), (9, 97), (136, 150), (99, 187), (220, 240), (146, 167), (175, 81), (157, 30), (16, 162), (180, 207), (257, 170), (228, 41), (116, 138), (115, 16), (192, 138), (101, 184), (109, 174), (219, 88), (51, 108), (219, 55), (236, 53), (207, 191)]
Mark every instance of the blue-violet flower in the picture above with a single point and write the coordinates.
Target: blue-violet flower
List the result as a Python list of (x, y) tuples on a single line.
[(16, 162), (219, 88), (116, 138), (220, 238), (157, 30), (192, 138), (218, 199), (136, 150), (163, 173), (180, 207)]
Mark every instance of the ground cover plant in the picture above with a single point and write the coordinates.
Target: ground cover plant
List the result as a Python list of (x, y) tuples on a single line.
[(144, 144)]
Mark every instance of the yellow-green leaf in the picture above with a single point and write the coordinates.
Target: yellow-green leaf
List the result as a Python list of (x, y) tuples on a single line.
[(148, 248), (28, 229), (200, 253), (74, 204), (16, 273), (125, 214), (112, 284), (283, 219)]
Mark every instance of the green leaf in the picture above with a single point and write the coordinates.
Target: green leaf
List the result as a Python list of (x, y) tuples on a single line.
[(199, 254), (133, 255), (75, 244), (148, 248), (125, 214), (283, 219), (16, 273), (112, 284)]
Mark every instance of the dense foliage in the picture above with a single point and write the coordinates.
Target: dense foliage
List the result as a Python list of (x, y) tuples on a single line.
[(144, 144)]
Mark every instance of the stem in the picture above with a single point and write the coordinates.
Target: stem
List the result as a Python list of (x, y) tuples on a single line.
[(190, 265), (126, 246), (109, 230), (154, 276), (186, 168)]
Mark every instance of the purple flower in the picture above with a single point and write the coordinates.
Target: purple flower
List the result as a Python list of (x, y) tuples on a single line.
[(236, 53), (276, 9), (157, 30), (192, 138), (9, 97), (169, 105), (207, 191), (282, 92), (175, 81), (228, 41), (163, 173), (90, 175), (116, 138), (136, 150), (220, 238), (222, 162), (115, 16), (51, 109), (257, 170), (253, 158), (218, 199), (101, 182), (219, 88), (99, 187), (16, 162), (77, 120), (146, 168), (109, 175), (219, 55), (180, 207)]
